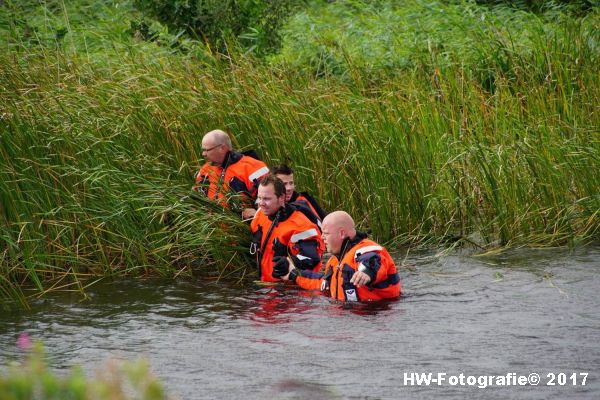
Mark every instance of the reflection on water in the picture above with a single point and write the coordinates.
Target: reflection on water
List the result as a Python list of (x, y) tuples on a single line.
[(275, 305), (522, 312)]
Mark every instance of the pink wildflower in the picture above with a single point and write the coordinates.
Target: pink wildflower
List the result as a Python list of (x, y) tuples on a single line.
[(24, 341)]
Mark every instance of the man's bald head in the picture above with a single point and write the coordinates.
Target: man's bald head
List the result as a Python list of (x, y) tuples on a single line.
[(337, 226), (218, 136), (215, 145), (339, 219)]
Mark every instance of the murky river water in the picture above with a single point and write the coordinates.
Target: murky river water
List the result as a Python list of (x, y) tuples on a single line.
[(524, 312)]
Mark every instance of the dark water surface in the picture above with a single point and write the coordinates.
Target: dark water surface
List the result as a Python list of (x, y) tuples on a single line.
[(524, 312)]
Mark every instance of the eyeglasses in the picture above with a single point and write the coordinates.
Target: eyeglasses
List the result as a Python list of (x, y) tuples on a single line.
[(212, 148)]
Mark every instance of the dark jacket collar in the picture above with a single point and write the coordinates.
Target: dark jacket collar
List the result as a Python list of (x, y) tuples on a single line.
[(348, 243), (231, 158), (283, 213)]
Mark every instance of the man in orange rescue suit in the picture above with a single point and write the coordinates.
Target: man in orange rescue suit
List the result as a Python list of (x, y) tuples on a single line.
[(359, 269), (286, 174), (281, 234), (227, 173)]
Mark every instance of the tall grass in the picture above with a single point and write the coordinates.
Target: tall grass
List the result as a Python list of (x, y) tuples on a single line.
[(92, 179), (98, 149)]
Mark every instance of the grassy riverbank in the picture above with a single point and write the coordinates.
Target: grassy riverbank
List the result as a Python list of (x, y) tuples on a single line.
[(100, 137)]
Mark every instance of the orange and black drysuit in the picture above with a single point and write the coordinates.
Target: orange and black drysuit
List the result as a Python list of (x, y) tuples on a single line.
[(358, 254), (307, 200), (237, 175), (288, 233)]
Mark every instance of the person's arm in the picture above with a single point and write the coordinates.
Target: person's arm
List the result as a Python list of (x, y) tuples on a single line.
[(306, 279), (255, 175), (307, 256), (303, 248), (248, 190), (369, 269)]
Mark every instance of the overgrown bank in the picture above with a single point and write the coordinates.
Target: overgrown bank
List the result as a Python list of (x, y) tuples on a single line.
[(98, 146)]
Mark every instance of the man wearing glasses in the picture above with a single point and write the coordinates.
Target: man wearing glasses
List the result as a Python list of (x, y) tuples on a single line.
[(228, 177)]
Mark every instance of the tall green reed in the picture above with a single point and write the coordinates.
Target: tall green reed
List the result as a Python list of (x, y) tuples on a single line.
[(92, 181)]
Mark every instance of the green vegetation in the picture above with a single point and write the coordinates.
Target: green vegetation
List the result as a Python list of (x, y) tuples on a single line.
[(32, 379), (252, 24), (427, 123), (389, 38)]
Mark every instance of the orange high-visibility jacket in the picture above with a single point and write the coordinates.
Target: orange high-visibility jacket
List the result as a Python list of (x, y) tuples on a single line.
[(364, 255), (239, 174), (287, 233)]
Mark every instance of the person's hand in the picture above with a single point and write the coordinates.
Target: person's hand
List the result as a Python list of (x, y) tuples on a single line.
[(281, 267), (248, 213), (360, 279), (292, 275)]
